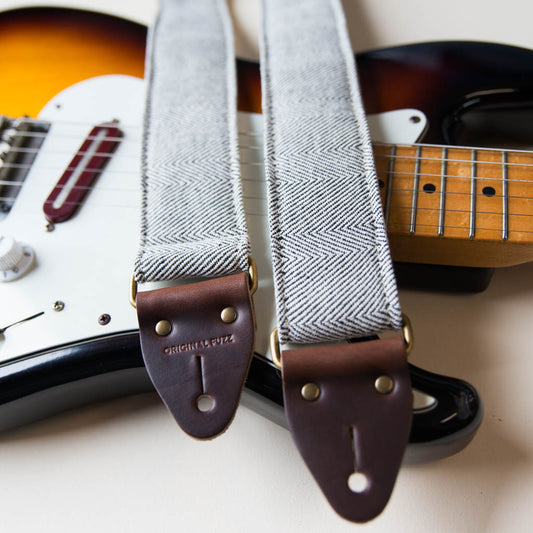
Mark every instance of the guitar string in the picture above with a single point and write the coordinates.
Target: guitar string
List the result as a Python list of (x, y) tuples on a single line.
[(395, 174), (136, 127), (438, 160), (64, 135), (23, 166), (397, 157), (132, 174), (263, 199), (391, 222), (46, 190), (436, 192), (48, 124), (375, 144), (11, 201)]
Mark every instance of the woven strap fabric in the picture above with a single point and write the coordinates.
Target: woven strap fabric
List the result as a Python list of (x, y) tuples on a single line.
[(333, 275), (193, 222)]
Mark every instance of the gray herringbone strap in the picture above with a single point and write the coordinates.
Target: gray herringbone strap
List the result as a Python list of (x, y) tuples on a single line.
[(333, 275), (193, 221)]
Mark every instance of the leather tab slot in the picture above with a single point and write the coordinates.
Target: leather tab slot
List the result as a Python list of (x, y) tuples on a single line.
[(197, 342), (349, 409)]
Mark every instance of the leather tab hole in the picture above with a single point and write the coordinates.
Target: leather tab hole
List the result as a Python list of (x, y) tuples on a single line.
[(205, 403), (357, 482)]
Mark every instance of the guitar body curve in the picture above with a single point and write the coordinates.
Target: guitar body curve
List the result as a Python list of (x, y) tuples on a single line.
[(56, 48)]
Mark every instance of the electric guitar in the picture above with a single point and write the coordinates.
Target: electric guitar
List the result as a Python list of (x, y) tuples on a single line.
[(70, 198)]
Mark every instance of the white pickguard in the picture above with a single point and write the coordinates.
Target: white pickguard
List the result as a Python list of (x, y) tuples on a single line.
[(86, 262)]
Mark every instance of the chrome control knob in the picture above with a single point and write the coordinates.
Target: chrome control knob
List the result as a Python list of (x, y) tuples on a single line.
[(15, 259)]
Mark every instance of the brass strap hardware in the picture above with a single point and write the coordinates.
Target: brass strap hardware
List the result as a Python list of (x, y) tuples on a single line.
[(133, 292), (252, 276), (274, 348), (407, 332)]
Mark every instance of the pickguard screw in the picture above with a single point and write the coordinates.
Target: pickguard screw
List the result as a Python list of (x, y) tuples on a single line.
[(58, 306), (104, 319)]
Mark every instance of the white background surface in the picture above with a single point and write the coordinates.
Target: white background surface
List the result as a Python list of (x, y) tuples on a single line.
[(125, 466)]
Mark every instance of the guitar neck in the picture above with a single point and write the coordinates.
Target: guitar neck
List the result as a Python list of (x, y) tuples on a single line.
[(465, 199)]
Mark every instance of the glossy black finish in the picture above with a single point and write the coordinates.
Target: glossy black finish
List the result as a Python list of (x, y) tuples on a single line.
[(442, 78), (443, 278), (457, 406), (37, 386)]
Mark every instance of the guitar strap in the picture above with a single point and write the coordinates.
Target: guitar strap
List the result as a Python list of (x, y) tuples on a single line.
[(349, 406), (196, 338)]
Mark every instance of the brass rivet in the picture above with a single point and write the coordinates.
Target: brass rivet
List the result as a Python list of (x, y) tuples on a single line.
[(310, 392), (384, 384), (163, 327), (228, 315)]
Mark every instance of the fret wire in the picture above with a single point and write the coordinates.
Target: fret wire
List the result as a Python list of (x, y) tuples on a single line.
[(414, 202), (444, 168), (389, 184), (505, 198), (472, 231)]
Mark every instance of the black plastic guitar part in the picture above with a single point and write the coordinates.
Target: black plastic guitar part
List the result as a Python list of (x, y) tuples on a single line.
[(37, 386)]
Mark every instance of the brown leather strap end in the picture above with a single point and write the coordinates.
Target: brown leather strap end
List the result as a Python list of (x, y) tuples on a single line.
[(197, 342), (349, 409)]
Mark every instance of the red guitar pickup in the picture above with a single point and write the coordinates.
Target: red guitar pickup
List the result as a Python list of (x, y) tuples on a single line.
[(82, 172)]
